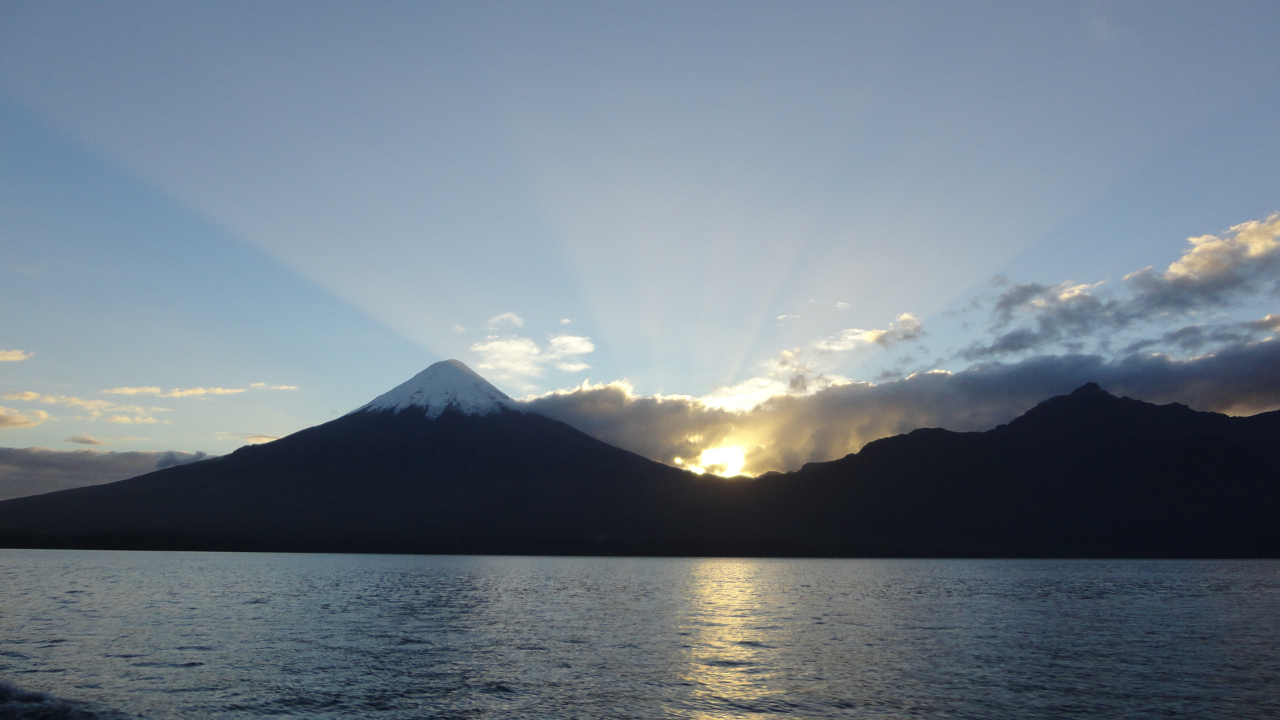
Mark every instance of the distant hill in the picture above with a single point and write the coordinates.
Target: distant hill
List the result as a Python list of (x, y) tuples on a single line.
[(447, 463)]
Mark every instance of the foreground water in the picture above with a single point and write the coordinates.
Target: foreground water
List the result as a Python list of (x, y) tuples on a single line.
[(190, 635)]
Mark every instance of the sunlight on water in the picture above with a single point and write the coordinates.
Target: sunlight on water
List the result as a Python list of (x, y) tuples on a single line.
[(729, 638)]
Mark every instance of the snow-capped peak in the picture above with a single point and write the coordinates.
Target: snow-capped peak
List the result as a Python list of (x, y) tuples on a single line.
[(448, 383)]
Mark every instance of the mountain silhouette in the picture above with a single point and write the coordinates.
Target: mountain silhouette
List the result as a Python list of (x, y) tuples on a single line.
[(446, 463)]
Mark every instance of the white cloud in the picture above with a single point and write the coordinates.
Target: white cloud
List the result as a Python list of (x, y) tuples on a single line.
[(458, 329), (565, 321), (510, 356), (517, 357), (264, 386), (93, 407), (200, 391), (507, 319), (187, 392), (13, 355), (134, 391), (10, 418), (842, 305), (570, 345), (906, 327)]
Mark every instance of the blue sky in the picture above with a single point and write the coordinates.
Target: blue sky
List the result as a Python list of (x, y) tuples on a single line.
[(328, 197)]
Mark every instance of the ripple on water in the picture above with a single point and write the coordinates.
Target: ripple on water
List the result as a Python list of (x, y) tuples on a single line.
[(248, 636)]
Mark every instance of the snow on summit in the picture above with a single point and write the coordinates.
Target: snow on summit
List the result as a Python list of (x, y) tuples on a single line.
[(449, 383)]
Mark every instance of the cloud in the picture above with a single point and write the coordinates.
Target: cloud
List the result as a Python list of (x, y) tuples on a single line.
[(249, 438), (85, 440), (13, 355), (1066, 311), (843, 305), (191, 392), (10, 418), (32, 471), (1270, 323), (787, 317), (793, 412), (791, 429), (1214, 273), (176, 392), (173, 458), (519, 357), (907, 327), (93, 407), (570, 345), (508, 319), (788, 374), (565, 321), (134, 391), (510, 356)]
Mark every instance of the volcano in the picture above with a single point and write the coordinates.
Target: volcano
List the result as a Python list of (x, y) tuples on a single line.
[(444, 462), (447, 463)]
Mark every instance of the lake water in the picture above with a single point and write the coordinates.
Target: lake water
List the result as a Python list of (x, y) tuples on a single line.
[(222, 635)]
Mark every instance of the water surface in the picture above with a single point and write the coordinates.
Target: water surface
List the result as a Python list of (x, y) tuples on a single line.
[(225, 635)]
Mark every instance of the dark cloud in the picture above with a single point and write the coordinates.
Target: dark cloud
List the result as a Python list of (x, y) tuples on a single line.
[(661, 428), (1057, 314), (32, 471), (789, 430), (174, 457), (85, 440), (1270, 323)]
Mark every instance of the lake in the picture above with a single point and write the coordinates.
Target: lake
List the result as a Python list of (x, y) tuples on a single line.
[(224, 635)]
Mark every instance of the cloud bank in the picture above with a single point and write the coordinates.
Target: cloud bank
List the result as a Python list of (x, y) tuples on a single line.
[(33, 470), (787, 431), (13, 355)]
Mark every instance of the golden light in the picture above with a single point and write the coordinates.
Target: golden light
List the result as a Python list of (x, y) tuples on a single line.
[(726, 461)]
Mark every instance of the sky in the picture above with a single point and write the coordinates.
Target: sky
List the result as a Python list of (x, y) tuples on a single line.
[(737, 236)]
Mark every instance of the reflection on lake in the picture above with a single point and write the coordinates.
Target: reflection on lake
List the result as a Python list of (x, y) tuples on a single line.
[(214, 635)]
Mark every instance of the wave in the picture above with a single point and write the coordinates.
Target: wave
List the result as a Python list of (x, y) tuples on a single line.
[(19, 704)]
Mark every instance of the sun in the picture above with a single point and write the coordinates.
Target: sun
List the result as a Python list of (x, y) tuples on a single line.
[(725, 461)]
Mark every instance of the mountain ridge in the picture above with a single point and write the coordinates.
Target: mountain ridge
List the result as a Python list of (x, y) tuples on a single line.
[(1079, 475)]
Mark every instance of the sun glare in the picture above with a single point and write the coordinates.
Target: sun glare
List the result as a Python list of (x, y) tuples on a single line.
[(724, 461)]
